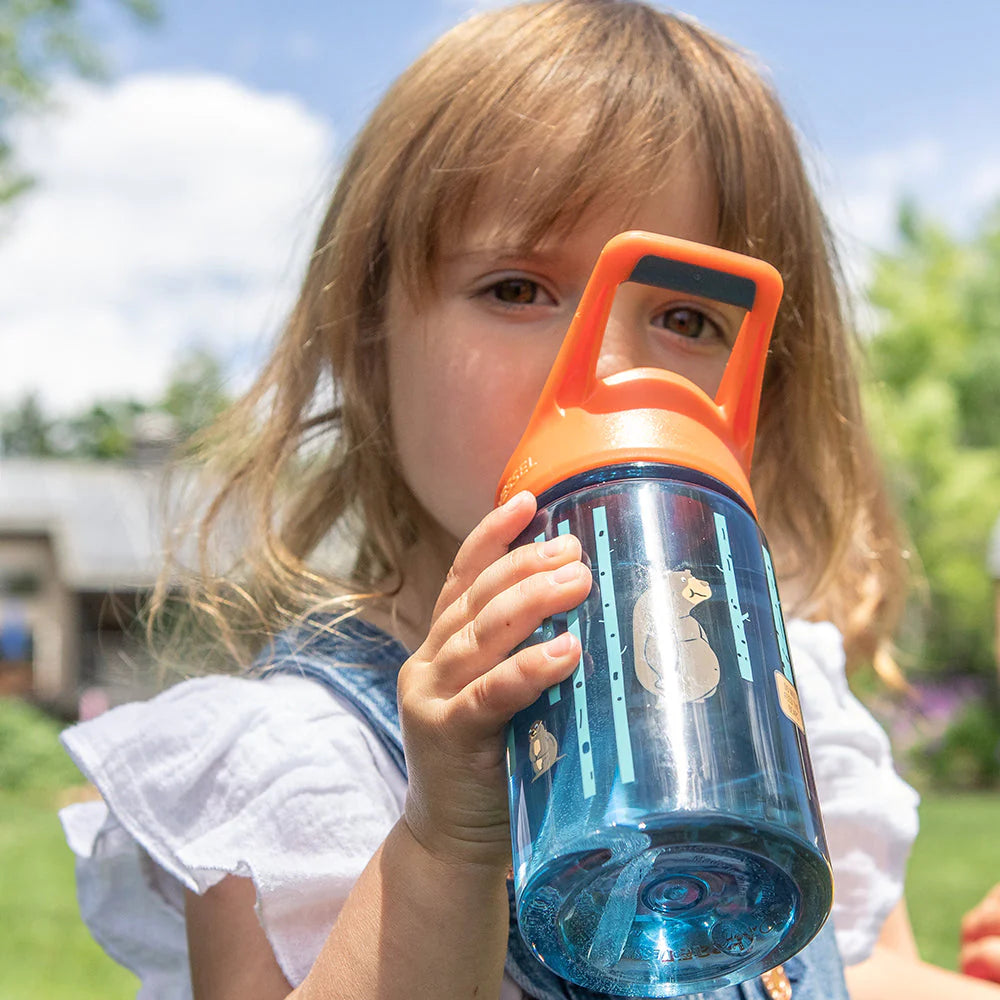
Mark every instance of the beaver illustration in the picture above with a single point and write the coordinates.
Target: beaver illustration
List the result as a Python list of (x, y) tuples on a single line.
[(676, 650), (542, 749)]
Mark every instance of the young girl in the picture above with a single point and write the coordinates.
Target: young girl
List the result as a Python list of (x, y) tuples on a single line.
[(257, 831)]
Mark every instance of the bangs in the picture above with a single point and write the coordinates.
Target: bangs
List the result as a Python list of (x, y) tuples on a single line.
[(546, 130)]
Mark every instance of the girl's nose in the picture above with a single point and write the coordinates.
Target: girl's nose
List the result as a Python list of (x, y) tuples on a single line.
[(624, 344)]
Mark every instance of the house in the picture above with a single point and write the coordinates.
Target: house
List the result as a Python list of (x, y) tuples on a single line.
[(79, 552)]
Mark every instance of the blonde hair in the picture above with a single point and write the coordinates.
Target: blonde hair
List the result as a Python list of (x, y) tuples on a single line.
[(595, 96)]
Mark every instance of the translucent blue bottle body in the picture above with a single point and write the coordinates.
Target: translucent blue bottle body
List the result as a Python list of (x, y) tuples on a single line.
[(666, 832)]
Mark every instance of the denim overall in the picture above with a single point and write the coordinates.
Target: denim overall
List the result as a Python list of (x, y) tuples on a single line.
[(360, 663)]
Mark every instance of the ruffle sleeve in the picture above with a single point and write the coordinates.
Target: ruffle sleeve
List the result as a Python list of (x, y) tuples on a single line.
[(273, 780), (869, 812)]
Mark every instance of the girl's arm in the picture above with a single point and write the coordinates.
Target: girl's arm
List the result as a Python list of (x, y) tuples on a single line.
[(415, 926), (980, 954), (895, 970), (229, 954), (411, 927), (428, 917)]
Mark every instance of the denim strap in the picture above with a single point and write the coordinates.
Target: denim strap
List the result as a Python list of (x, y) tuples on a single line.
[(352, 658), (360, 663)]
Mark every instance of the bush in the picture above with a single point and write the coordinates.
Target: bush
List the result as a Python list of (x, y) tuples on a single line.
[(968, 755), (31, 757)]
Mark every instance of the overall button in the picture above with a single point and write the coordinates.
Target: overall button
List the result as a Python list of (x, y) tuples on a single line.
[(776, 984)]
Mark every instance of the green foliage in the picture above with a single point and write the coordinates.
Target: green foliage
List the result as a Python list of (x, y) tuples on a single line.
[(936, 361), (31, 757), (26, 430), (194, 396), (105, 430), (195, 393), (968, 756), (38, 40)]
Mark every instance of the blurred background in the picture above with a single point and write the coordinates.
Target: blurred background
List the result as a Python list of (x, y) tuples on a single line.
[(163, 164)]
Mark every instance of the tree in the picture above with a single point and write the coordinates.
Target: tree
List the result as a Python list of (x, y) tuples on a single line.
[(25, 430), (38, 40), (109, 428), (936, 361), (195, 393), (104, 430)]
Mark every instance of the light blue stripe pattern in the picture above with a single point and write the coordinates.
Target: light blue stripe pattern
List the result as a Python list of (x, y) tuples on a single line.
[(580, 703), (606, 583), (733, 598), (511, 759), (779, 624), (549, 632)]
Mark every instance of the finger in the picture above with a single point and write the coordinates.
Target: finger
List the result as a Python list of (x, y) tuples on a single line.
[(489, 701), (508, 620), (486, 543), (982, 920), (981, 959), (506, 573)]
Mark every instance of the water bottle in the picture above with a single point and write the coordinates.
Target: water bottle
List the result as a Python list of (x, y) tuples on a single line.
[(665, 827)]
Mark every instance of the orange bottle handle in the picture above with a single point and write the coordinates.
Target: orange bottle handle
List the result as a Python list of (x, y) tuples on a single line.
[(708, 272)]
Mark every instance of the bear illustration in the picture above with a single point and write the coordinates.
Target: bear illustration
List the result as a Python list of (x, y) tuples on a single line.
[(672, 652), (542, 749)]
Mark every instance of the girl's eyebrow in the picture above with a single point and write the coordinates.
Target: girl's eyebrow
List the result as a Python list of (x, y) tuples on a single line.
[(504, 253)]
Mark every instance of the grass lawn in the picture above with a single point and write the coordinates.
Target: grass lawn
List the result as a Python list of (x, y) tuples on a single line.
[(955, 860), (46, 952)]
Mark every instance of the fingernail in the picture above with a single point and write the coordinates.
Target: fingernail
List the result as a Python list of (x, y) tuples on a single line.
[(559, 646), (553, 547), (567, 573), (517, 500)]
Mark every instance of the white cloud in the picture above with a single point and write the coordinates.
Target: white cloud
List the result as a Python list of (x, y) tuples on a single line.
[(466, 8), (984, 186), (862, 194), (875, 182), (171, 210)]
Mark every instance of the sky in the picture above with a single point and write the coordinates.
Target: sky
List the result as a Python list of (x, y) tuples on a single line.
[(177, 202)]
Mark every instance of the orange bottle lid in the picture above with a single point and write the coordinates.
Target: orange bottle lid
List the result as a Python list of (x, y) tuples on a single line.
[(582, 422)]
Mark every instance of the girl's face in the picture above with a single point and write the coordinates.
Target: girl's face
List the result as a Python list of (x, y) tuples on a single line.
[(468, 363)]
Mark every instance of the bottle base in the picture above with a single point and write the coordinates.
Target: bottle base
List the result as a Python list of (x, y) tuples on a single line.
[(672, 908)]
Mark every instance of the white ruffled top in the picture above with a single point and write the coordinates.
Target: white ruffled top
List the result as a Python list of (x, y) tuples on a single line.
[(280, 781)]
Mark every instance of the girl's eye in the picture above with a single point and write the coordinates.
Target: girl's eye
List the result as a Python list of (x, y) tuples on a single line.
[(517, 292), (688, 322)]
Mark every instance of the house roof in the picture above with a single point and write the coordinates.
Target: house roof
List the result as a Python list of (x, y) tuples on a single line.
[(102, 517), (108, 521)]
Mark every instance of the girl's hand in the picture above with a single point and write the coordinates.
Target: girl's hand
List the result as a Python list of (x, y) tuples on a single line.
[(980, 953), (460, 688)]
